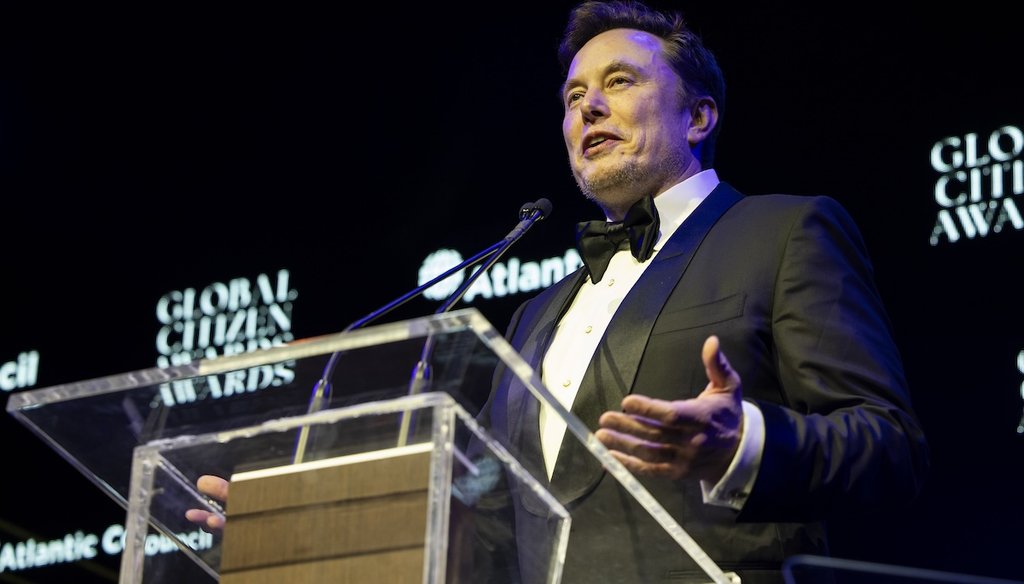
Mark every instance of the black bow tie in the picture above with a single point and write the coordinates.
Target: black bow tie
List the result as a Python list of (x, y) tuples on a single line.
[(599, 240)]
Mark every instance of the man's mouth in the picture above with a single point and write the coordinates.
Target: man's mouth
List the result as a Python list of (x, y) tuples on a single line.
[(597, 144)]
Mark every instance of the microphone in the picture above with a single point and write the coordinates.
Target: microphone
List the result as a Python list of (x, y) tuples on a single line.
[(529, 213)]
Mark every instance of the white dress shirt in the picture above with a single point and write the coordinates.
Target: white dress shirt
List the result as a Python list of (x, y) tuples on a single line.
[(577, 335)]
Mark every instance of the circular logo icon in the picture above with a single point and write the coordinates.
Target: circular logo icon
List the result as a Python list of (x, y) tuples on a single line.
[(436, 264)]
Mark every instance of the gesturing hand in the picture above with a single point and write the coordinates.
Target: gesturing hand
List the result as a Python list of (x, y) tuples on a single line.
[(691, 438), (217, 488)]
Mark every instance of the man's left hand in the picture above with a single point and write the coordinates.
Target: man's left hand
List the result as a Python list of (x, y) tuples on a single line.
[(692, 438)]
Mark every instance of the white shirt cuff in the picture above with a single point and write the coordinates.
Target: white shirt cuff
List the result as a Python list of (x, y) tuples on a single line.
[(733, 489)]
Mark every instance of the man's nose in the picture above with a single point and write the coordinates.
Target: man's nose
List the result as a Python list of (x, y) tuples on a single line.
[(594, 105)]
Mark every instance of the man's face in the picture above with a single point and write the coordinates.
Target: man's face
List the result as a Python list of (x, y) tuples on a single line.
[(625, 126)]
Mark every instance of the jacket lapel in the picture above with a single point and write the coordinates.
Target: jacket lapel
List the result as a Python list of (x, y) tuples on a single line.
[(531, 338), (614, 366)]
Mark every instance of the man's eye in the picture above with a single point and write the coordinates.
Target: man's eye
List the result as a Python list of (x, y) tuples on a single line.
[(573, 97), (618, 81)]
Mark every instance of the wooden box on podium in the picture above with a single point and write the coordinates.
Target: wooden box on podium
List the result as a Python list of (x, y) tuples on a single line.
[(374, 500), (356, 518)]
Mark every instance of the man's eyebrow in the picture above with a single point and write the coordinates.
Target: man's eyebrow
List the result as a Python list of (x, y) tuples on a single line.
[(610, 68), (620, 66)]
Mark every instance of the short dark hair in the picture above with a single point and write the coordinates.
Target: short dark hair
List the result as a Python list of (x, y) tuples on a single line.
[(684, 50)]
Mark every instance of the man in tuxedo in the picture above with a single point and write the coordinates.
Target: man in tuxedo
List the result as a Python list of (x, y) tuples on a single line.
[(731, 351)]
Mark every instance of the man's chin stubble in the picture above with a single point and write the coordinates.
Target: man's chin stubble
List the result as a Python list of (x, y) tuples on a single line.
[(617, 185)]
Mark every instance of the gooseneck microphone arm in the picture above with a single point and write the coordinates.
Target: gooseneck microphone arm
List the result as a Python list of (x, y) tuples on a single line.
[(421, 289), (529, 214)]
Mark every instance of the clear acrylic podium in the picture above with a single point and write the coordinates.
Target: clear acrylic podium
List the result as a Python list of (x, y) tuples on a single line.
[(390, 478)]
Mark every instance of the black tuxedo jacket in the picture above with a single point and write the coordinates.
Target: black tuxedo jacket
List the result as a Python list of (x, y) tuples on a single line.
[(786, 284)]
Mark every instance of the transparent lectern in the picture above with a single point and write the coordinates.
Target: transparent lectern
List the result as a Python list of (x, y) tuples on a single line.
[(388, 477)]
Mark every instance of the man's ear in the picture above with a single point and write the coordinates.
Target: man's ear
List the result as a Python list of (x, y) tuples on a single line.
[(703, 118)]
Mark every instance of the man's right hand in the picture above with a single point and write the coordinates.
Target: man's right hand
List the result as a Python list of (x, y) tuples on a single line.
[(217, 488)]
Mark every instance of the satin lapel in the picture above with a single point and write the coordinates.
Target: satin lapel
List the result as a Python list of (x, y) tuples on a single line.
[(612, 372), (523, 408)]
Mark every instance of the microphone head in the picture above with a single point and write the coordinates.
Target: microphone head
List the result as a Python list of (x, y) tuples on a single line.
[(542, 206)]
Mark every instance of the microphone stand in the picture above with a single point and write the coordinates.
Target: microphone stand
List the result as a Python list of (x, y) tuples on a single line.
[(528, 213)]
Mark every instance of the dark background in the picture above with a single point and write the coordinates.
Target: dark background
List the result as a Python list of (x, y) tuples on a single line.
[(145, 151)]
